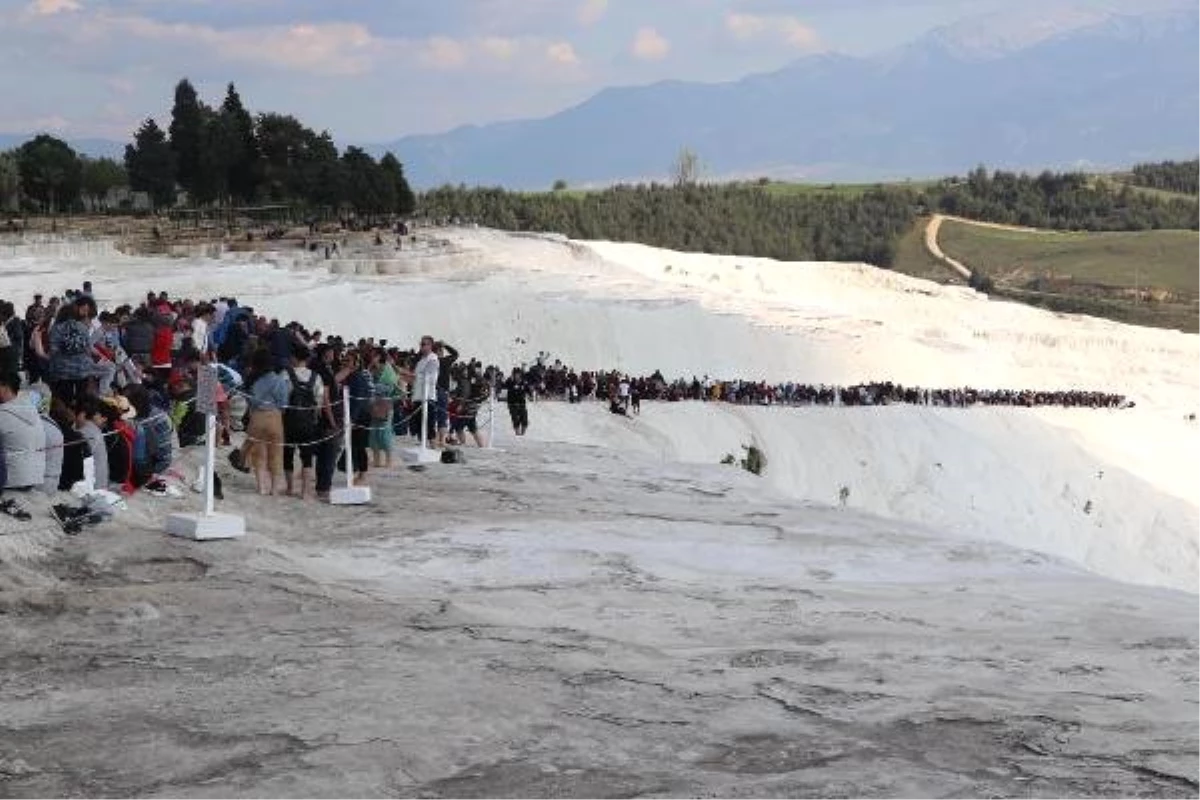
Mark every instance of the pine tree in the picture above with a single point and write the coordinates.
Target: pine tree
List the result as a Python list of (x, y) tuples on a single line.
[(150, 164), (404, 202), (187, 135), (244, 170)]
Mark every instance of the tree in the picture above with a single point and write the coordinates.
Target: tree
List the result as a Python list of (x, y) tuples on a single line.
[(217, 151), (282, 143), (365, 186), (404, 202), (560, 185), (99, 176), (150, 163), (686, 169), (242, 152), (322, 174), (187, 135), (10, 181), (51, 172)]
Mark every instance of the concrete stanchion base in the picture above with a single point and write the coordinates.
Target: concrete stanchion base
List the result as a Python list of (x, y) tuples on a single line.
[(420, 455), (198, 527), (350, 496)]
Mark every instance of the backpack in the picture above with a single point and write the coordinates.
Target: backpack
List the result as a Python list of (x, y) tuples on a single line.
[(301, 418), (151, 446), (74, 340)]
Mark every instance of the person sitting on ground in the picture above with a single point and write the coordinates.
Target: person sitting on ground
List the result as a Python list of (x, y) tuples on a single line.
[(24, 438), (91, 422), (152, 448), (118, 445), (53, 443)]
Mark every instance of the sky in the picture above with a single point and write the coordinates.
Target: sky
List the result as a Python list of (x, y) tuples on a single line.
[(374, 70)]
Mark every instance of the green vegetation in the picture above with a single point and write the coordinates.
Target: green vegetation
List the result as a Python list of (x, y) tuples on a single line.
[(220, 157), (726, 218), (1143, 277), (913, 257), (1181, 177), (1164, 259), (1062, 201)]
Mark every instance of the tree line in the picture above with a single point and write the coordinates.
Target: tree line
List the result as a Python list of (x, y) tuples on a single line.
[(716, 218), (1170, 176), (747, 219), (44, 173), (217, 156), (1063, 201)]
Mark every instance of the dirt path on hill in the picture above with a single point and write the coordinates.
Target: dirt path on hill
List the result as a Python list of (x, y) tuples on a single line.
[(935, 226)]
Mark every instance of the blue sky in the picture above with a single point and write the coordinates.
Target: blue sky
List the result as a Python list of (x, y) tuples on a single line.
[(373, 70)]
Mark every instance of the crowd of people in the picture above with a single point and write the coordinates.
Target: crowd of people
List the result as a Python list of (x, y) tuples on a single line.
[(624, 393), (97, 401)]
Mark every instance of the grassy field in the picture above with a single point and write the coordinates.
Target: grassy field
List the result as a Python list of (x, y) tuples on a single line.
[(1144, 277), (1160, 259), (912, 258)]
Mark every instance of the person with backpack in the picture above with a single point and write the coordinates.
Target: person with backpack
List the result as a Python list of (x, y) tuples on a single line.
[(70, 355), (152, 450), (302, 421)]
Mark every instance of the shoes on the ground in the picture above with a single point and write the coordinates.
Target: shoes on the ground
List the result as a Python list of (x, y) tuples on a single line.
[(13, 509), (235, 458)]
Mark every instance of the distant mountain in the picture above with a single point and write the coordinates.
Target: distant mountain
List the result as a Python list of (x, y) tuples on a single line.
[(1100, 92), (93, 148)]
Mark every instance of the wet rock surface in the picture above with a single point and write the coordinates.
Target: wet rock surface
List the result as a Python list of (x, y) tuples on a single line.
[(567, 622)]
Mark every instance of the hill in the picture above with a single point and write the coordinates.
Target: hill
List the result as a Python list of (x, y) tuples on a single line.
[(1117, 92), (1141, 277)]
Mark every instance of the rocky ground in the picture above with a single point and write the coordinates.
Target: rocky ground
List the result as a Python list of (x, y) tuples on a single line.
[(571, 622)]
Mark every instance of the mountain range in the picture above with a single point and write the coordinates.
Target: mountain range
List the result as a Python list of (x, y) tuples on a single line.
[(1113, 91), (1087, 90)]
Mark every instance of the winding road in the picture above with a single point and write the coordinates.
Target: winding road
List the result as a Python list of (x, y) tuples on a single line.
[(934, 227)]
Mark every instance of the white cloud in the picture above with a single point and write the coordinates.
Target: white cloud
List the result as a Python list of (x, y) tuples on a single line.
[(499, 47), (592, 11), (48, 8), (442, 52), (650, 45), (792, 31), (562, 53)]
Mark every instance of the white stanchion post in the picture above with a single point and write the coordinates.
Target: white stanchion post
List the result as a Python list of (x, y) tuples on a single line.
[(425, 413), (210, 461), (209, 524), (347, 436), (491, 445), (422, 454), (352, 495)]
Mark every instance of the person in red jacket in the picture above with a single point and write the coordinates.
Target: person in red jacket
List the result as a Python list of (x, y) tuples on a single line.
[(160, 352)]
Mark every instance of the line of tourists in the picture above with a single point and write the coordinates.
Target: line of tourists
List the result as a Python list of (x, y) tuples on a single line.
[(96, 401)]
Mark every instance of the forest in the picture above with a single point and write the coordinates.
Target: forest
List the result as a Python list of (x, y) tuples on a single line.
[(209, 156), (1063, 201), (719, 218), (747, 219), (1181, 177)]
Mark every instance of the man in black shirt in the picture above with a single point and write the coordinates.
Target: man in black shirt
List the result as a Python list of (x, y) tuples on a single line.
[(516, 391), (446, 355)]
